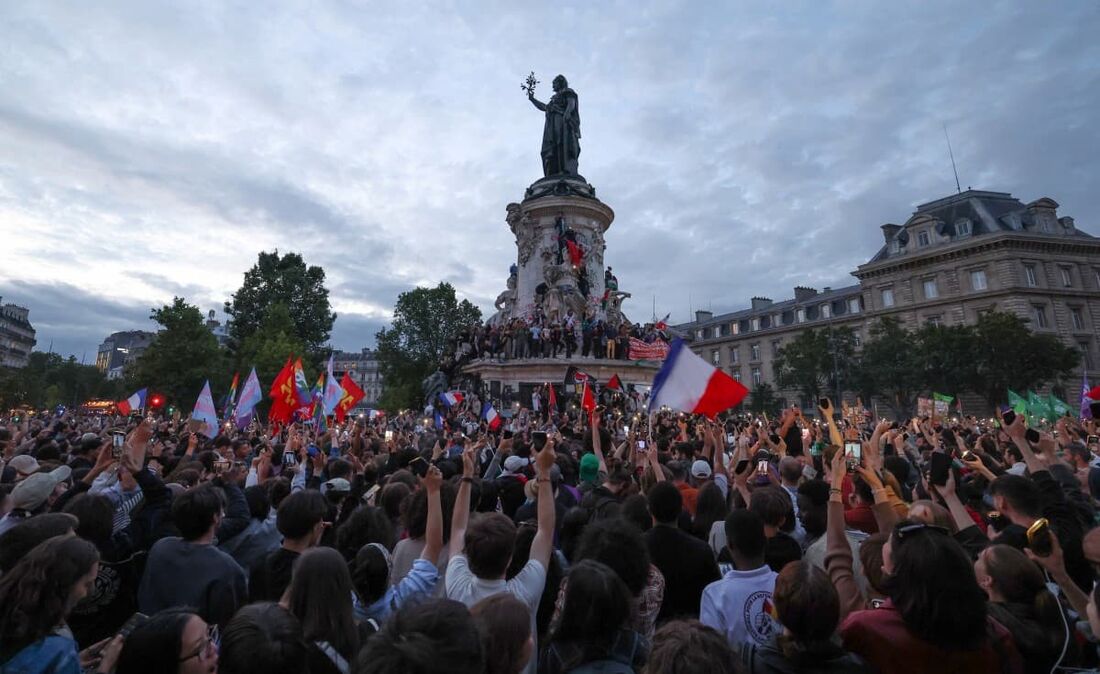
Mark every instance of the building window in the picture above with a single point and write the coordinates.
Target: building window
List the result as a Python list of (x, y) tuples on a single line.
[(734, 355), (757, 378), (887, 297), (735, 328), (775, 347), (699, 334), (800, 315), (754, 352), (1077, 318), (1086, 355), (895, 247), (716, 357), (962, 228), (737, 374), (977, 279), (1039, 315), (857, 339), (1029, 276), (934, 321), (756, 324), (923, 239), (1096, 272), (725, 329), (1067, 277), (826, 311), (930, 290), (853, 305)]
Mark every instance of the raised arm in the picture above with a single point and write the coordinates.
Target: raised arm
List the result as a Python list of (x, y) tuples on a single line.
[(461, 516), (834, 432), (543, 544), (433, 535), (536, 102), (597, 449)]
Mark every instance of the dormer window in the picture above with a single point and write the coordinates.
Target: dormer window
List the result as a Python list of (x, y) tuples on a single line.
[(895, 247), (923, 239), (962, 227)]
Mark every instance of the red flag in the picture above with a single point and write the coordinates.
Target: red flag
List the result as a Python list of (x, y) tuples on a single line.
[(614, 383), (553, 404), (575, 253), (352, 395), (283, 398), (588, 401)]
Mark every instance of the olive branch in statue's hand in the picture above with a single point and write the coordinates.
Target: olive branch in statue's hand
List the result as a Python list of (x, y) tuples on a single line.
[(529, 85)]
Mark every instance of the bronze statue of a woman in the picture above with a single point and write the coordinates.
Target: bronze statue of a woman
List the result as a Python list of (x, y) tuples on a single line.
[(561, 134)]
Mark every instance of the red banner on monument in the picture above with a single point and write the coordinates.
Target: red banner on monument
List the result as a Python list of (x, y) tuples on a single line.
[(639, 350)]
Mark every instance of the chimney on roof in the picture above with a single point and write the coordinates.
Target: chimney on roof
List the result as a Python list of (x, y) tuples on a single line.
[(701, 315), (803, 293), (826, 289), (761, 302), (889, 231)]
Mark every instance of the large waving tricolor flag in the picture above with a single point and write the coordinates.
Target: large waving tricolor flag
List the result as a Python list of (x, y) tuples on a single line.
[(688, 383), (133, 403), (489, 413), (451, 398)]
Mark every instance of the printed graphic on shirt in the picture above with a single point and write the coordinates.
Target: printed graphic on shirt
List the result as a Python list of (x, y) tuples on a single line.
[(757, 615)]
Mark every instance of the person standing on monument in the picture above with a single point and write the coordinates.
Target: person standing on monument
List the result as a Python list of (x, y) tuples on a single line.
[(561, 133)]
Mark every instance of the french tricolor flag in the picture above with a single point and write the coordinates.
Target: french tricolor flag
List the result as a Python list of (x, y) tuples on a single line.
[(489, 414), (688, 383), (451, 398), (134, 402)]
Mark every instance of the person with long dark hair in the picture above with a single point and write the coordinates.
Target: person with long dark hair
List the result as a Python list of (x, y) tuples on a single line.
[(174, 641), (595, 623), (936, 617), (1019, 600), (505, 632), (808, 609), (320, 596), (36, 598), (711, 508)]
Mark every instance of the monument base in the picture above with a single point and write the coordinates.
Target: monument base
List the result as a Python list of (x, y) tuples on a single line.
[(514, 380)]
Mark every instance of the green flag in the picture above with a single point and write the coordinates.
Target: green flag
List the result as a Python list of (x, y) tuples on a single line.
[(1037, 407), (1058, 407), (1017, 402), (943, 398)]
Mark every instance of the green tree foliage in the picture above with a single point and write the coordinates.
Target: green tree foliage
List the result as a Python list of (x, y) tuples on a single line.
[(49, 379), (288, 281), (996, 354), (763, 399), (1009, 355), (815, 360), (424, 320), (183, 354)]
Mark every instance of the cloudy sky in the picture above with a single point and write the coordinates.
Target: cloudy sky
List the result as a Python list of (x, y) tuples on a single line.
[(152, 149)]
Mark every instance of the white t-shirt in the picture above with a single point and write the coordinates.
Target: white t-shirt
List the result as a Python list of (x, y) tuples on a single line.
[(527, 586), (739, 606)]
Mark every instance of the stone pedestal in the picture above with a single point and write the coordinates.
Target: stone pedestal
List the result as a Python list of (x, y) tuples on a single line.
[(515, 379), (543, 277)]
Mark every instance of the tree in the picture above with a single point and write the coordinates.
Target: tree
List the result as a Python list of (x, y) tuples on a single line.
[(181, 357), (288, 281), (816, 359), (763, 400), (948, 354), (1010, 356), (424, 321), (891, 367), (48, 379), (268, 348)]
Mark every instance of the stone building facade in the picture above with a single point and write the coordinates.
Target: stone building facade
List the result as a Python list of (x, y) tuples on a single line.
[(121, 349), (363, 367), (953, 260), (16, 336)]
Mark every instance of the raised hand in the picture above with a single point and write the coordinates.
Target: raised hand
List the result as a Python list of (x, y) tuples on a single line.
[(433, 480)]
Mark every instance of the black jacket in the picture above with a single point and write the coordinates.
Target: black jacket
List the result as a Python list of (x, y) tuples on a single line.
[(688, 566)]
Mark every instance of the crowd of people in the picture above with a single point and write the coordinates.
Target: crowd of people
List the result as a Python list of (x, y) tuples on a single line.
[(573, 542), (541, 337)]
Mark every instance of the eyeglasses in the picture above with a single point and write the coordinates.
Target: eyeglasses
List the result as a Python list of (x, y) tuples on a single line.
[(209, 646), (909, 529)]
